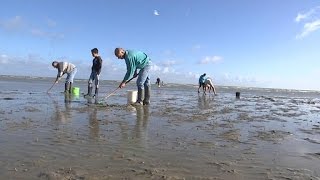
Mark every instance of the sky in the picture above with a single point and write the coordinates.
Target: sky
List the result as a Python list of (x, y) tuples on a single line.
[(251, 43)]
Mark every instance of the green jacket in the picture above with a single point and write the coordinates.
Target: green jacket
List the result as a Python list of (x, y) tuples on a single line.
[(134, 60)]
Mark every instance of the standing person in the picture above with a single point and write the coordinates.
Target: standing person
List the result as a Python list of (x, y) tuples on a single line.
[(95, 73), (136, 60), (201, 82), (65, 68), (158, 82)]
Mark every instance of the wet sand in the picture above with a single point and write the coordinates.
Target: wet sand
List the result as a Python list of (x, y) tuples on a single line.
[(181, 135)]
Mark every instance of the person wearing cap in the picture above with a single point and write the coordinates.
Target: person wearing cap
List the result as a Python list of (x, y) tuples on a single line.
[(136, 60), (65, 68)]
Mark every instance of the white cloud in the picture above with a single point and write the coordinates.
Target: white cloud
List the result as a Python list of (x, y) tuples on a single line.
[(312, 21), (4, 59), (154, 67), (51, 23), (309, 28), (15, 23), (314, 12), (169, 63), (156, 13), (211, 59), (45, 34), (196, 47)]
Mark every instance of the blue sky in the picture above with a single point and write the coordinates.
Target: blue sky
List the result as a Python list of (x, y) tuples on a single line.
[(270, 43)]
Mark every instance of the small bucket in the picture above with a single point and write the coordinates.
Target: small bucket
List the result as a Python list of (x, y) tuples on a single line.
[(76, 91), (132, 96)]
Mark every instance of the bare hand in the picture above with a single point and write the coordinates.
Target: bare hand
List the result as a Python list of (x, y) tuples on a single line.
[(122, 85)]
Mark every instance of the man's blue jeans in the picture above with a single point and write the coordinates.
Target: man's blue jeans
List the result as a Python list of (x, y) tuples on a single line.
[(71, 75), (143, 78)]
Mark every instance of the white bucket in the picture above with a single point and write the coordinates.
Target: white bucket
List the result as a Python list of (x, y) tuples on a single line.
[(132, 96)]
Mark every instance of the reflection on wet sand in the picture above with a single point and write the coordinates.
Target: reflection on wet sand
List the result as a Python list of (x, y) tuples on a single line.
[(61, 115), (93, 123), (142, 121), (204, 101), (181, 135)]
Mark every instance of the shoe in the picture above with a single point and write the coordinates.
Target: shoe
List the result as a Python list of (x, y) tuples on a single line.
[(89, 92), (146, 103), (137, 104)]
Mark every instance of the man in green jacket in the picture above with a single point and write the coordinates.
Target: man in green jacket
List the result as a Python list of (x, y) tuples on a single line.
[(136, 60)]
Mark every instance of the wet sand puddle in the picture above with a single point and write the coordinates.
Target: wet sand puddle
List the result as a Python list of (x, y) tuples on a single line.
[(182, 135)]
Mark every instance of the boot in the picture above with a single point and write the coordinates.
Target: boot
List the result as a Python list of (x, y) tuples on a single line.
[(89, 92), (70, 87), (146, 100), (96, 93), (139, 99), (66, 87)]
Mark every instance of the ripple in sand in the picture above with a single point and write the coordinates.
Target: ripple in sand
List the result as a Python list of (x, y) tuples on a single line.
[(316, 155), (315, 141), (273, 135)]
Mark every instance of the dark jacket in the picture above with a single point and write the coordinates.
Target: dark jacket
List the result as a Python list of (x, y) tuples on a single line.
[(96, 65)]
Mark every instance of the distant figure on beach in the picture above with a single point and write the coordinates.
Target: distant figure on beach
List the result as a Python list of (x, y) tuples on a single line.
[(201, 82), (65, 68), (136, 60), (158, 82), (95, 73), (208, 83)]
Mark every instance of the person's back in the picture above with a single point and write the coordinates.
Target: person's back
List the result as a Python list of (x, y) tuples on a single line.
[(65, 67)]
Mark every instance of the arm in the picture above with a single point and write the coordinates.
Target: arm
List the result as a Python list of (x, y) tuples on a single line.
[(130, 71), (60, 72), (99, 65)]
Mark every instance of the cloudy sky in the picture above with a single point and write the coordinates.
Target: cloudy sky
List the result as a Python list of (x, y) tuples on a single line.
[(239, 43)]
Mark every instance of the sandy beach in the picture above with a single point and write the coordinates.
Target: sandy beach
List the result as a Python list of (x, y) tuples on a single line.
[(266, 134)]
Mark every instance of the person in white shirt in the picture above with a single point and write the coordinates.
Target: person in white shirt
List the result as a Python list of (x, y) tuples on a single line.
[(65, 68)]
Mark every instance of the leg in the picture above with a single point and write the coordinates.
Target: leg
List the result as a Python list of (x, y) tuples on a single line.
[(212, 86), (199, 87), (66, 87), (71, 77), (90, 84), (96, 82), (67, 83), (142, 79), (147, 91), (204, 88)]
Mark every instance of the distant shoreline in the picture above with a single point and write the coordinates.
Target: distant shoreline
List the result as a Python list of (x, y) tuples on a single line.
[(19, 77)]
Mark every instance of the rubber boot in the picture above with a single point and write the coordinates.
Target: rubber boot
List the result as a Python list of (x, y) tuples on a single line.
[(66, 87), (70, 87), (139, 99), (96, 93), (89, 91), (146, 100)]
